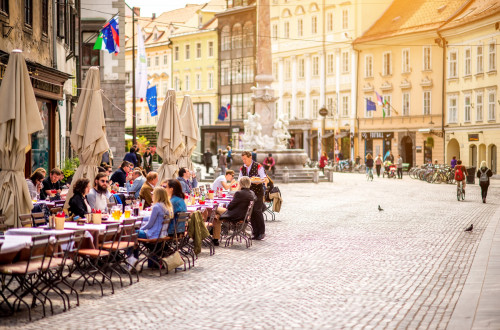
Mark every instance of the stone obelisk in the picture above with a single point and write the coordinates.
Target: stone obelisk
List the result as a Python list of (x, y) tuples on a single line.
[(263, 93)]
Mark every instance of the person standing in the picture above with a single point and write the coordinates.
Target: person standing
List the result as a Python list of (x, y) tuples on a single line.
[(400, 167), (254, 154), (322, 162), (207, 160), (391, 157), (229, 158), (131, 157), (221, 161), (269, 163), (138, 156), (378, 164), (369, 163), (257, 175), (453, 162), (147, 157), (484, 174)]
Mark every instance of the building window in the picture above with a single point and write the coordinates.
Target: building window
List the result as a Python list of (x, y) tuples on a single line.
[(427, 58), (288, 70), (345, 106), (237, 71), (210, 80), (164, 88), (479, 107), (157, 60), (302, 65), (314, 25), (479, 59), (345, 19), (452, 72), (388, 105), (188, 86), (248, 70), (248, 35), (387, 65), (315, 108), (345, 62), (45, 16), (177, 84), (275, 71), (90, 56), (204, 111), (237, 36), (165, 59), (427, 102), (187, 52), (300, 27), (198, 81), (176, 53), (286, 30), (149, 62), (492, 56), (210, 49), (406, 104), (315, 71), (452, 109), (275, 32), (368, 66), (491, 105), (329, 103), (329, 22), (225, 72), (330, 63), (467, 59), (467, 109), (198, 50), (226, 38), (28, 12), (4, 7), (406, 61), (301, 109), (61, 16), (368, 114)]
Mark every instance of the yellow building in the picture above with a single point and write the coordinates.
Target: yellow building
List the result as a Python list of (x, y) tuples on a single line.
[(401, 59), (315, 66), (195, 66), (471, 119), (156, 32)]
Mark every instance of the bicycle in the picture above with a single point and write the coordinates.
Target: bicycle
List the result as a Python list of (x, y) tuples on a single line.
[(460, 191), (369, 174)]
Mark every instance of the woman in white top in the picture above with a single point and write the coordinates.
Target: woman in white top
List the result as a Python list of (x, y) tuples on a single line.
[(35, 184)]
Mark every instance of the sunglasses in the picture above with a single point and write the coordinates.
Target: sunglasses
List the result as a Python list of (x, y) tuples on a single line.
[(104, 181)]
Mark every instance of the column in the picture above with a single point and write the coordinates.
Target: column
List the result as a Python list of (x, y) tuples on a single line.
[(294, 113), (354, 97), (281, 87), (307, 105)]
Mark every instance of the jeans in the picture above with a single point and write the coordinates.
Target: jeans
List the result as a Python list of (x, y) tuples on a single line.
[(484, 189), (378, 169), (400, 173)]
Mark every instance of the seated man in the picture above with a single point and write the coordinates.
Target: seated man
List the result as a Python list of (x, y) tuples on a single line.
[(237, 208), (121, 175), (137, 182), (98, 197), (222, 181), (146, 192), (51, 183), (187, 180)]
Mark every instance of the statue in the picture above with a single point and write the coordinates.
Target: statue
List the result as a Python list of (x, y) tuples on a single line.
[(280, 133), (253, 134)]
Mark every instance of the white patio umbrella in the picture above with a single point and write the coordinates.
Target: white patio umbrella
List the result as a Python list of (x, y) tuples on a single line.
[(170, 144), (88, 134), (19, 118), (191, 134)]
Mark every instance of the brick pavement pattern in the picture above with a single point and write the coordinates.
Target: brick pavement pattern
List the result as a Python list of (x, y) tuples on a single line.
[(331, 260)]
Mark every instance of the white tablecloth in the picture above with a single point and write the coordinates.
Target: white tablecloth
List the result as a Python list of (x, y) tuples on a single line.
[(13, 243)]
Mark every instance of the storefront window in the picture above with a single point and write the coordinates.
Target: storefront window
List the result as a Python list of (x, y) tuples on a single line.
[(40, 146)]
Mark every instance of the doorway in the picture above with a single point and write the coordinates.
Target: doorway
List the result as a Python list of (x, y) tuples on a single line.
[(453, 150), (407, 147), (473, 156), (493, 158)]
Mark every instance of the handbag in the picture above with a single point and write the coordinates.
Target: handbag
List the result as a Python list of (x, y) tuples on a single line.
[(173, 261)]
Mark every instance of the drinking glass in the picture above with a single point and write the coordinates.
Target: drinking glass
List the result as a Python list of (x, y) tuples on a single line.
[(127, 212)]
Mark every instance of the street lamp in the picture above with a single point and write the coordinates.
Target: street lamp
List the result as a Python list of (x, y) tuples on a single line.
[(323, 112)]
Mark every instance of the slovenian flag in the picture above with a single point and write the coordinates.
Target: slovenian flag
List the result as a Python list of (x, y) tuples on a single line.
[(109, 37), (380, 100)]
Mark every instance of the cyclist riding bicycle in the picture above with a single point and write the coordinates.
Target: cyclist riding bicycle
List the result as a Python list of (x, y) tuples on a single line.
[(460, 174)]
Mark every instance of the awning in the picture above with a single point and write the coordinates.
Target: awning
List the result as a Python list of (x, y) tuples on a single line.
[(341, 135), (128, 137), (328, 135)]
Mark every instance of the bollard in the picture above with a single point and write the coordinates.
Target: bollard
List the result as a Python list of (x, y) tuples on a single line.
[(316, 175), (286, 175), (330, 176)]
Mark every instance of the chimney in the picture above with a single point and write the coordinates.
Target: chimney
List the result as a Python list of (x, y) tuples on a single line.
[(153, 16), (137, 11)]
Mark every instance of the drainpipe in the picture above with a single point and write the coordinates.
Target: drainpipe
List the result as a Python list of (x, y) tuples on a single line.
[(54, 34)]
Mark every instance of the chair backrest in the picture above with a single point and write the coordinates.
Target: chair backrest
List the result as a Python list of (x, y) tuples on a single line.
[(38, 218), (138, 222), (3, 226), (59, 203), (128, 233), (181, 217), (207, 186), (61, 247), (164, 225), (249, 211), (213, 213), (109, 235), (26, 220), (38, 250), (55, 210)]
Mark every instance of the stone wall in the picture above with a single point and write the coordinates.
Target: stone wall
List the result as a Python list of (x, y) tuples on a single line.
[(115, 119)]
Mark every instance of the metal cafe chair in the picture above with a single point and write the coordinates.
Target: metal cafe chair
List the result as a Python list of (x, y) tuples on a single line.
[(38, 219), (152, 249), (238, 229)]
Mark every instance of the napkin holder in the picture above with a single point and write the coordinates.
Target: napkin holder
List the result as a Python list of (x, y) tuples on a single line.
[(97, 218), (59, 222)]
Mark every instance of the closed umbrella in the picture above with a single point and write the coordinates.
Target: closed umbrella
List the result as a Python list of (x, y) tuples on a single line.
[(88, 134), (170, 145), (191, 134), (19, 118)]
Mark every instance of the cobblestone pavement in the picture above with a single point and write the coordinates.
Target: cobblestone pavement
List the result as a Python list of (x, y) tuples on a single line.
[(331, 260)]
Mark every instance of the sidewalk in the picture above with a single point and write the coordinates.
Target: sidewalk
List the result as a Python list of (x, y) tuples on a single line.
[(479, 304)]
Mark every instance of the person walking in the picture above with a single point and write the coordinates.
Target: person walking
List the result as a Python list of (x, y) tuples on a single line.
[(391, 157), (147, 157), (369, 164), (254, 154), (378, 164), (222, 161), (323, 160), (207, 160), (229, 158), (453, 162), (400, 167), (484, 174), (131, 157), (138, 156)]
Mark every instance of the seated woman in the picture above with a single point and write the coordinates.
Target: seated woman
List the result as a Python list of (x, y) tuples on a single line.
[(35, 184), (174, 191), (78, 204), (152, 225)]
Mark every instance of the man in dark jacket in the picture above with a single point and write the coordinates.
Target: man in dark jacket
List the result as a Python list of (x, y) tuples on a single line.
[(207, 160), (131, 157), (120, 175), (51, 186)]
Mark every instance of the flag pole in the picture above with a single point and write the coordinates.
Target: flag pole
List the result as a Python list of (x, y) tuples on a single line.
[(134, 110)]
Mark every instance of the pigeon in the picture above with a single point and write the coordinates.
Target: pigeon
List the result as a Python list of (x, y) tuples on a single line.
[(380, 209), (469, 228)]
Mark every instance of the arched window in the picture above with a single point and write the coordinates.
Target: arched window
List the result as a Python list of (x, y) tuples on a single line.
[(248, 35), (226, 38), (236, 36)]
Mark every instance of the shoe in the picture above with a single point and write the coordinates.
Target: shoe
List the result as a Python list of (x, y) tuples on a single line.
[(259, 238), (132, 261), (484, 200), (215, 241)]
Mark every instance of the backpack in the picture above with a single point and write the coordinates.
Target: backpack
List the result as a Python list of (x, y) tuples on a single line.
[(484, 176), (459, 174)]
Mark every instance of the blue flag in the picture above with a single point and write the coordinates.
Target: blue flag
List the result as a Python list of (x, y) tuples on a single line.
[(370, 105), (151, 99), (222, 113)]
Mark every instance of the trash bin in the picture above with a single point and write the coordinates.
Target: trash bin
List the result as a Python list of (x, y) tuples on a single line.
[(471, 175)]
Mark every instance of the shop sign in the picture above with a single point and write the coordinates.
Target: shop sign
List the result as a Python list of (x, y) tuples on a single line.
[(473, 137), (418, 149), (377, 135), (46, 86)]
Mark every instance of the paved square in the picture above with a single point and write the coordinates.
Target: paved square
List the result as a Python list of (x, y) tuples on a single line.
[(331, 260)]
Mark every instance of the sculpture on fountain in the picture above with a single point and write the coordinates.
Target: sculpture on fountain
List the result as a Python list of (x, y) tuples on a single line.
[(253, 137), (281, 134)]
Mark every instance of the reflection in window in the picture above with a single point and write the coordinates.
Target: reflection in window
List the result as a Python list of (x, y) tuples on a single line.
[(40, 146)]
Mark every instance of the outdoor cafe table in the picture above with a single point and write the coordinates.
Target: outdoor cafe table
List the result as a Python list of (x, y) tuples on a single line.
[(14, 245)]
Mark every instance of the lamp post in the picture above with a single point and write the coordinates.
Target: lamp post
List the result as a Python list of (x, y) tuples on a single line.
[(323, 112)]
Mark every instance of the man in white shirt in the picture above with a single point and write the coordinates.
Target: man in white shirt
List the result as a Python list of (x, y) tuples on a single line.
[(98, 197), (222, 181), (138, 180)]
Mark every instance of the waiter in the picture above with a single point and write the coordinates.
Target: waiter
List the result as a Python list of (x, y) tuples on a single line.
[(257, 175)]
